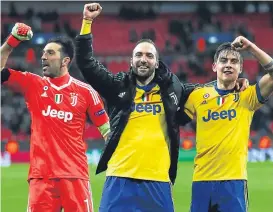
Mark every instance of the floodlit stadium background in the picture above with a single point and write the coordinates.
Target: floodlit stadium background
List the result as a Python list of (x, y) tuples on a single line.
[(186, 33)]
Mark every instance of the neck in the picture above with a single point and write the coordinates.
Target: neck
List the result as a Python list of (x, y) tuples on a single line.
[(63, 72), (61, 79), (225, 85), (146, 81)]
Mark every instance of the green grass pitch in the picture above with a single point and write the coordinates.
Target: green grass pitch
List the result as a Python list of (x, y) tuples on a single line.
[(14, 187)]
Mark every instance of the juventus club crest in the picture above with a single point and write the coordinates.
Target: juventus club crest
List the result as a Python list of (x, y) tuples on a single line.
[(236, 97), (74, 99), (174, 97)]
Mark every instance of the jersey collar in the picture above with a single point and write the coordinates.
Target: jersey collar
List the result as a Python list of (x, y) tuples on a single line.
[(223, 92), (59, 83), (148, 87)]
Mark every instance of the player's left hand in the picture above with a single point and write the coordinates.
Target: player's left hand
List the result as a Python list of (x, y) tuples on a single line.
[(91, 11), (241, 43), (241, 84), (22, 32)]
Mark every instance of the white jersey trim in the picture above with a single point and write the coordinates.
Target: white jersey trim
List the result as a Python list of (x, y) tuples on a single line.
[(58, 88), (93, 93)]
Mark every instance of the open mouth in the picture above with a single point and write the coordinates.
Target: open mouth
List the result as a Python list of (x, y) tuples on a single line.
[(143, 68), (228, 72), (45, 67)]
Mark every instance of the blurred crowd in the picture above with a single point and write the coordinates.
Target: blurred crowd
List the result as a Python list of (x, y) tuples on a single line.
[(13, 109)]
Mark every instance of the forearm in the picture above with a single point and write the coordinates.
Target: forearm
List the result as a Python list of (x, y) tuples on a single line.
[(92, 70), (20, 32), (104, 130), (264, 59), (5, 52), (189, 87), (266, 82), (86, 27)]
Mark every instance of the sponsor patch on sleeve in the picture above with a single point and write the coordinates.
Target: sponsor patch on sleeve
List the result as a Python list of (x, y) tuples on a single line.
[(100, 112)]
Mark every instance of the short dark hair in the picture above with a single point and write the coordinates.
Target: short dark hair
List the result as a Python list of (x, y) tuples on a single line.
[(145, 40), (68, 48), (225, 47)]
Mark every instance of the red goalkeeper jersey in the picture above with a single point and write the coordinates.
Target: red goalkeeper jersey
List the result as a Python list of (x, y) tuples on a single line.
[(58, 108)]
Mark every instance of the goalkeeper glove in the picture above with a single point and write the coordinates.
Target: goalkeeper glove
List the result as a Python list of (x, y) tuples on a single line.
[(20, 32)]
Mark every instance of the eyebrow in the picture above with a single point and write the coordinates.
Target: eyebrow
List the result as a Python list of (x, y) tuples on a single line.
[(223, 57), (47, 50), (148, 53)]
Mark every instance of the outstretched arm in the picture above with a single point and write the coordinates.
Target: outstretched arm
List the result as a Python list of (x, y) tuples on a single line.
[(20, 32), (5, 52), (93, 71), (266, 82)]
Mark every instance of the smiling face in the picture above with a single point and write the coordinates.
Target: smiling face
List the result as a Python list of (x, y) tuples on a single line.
[(53, 60), (228, 66), (144, 60)]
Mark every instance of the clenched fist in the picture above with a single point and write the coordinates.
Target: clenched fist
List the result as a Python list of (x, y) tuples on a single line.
[(20, 32), (91, 11), (241, 43)]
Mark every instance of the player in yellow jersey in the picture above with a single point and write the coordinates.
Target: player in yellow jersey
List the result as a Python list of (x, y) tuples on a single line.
[(223, 119), (141, 152)]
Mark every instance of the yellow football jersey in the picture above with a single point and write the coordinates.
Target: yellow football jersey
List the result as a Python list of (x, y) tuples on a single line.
[(143, 149), (223, 126)]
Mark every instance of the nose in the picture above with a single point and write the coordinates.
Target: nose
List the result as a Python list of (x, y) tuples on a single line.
[(43, 56), (228, 64), (143, 59)]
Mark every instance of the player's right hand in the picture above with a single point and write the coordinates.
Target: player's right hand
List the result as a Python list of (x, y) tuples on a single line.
[(241, 43), (91, 11), (22, 32)]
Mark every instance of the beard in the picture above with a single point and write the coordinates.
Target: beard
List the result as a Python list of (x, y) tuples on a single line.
[(143, 75), (52, 72)]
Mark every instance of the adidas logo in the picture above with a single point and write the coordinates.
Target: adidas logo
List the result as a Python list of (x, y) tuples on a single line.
[(121, 94), (44, 94)]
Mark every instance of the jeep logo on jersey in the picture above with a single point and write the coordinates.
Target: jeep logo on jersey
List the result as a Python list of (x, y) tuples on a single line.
[(225, 114), (58, 98), (149, 108), (66, 116)]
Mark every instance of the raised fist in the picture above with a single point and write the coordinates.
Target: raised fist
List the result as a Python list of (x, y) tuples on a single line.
[(241, 43), (22, 32), (91, 11)]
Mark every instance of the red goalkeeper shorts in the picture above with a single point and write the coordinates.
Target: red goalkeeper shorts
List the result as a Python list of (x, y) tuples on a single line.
[(72, 195)]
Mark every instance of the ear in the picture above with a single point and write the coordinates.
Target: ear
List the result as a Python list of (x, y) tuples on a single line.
[(131, 62), (157, 64), (241, 69), (214, 67), (66, 61)]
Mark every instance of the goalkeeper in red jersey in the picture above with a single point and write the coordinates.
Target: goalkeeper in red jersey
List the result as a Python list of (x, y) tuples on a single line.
[(59, 105)]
